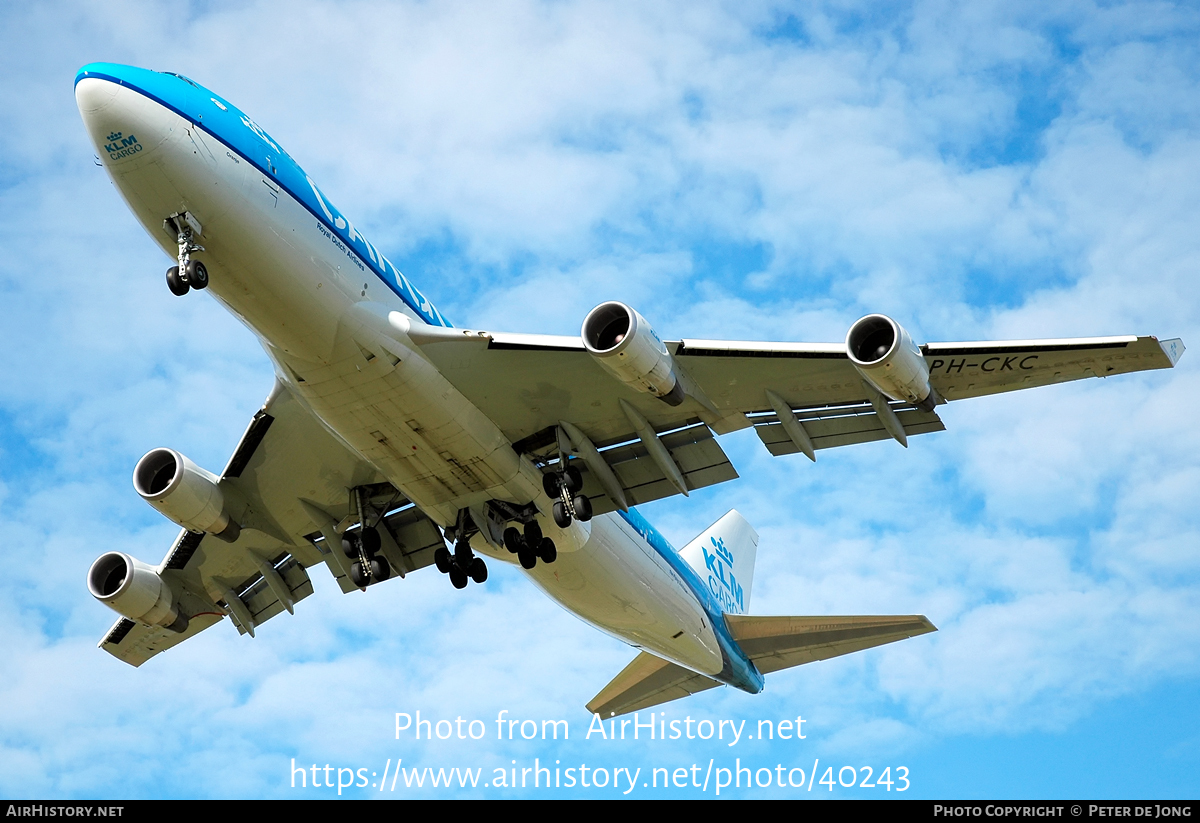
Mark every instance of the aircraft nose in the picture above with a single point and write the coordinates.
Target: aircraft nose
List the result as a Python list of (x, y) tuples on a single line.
[(93, 95), (125, 126)]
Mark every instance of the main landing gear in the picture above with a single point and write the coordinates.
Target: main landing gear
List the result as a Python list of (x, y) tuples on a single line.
[(363, 548), (564, 489), (189, 274), (463, 565), (530, 546)]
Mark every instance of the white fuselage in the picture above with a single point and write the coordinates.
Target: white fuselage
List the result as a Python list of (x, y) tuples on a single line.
[(300, 288)]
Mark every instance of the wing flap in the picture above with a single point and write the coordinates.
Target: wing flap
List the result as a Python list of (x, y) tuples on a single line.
[(135, 643), (647, 681), (699, 456), (842, 425), (260, 598), (409, 541), (775, 643)]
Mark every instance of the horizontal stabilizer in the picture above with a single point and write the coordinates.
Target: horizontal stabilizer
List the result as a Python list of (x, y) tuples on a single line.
[(771, 643), (775, 643), (645, 682)]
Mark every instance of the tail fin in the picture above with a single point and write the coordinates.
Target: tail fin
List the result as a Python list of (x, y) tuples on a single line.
[(723, 555)]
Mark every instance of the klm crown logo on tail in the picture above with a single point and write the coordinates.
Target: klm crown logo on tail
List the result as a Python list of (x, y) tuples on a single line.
[(723, 556), (721, 580)]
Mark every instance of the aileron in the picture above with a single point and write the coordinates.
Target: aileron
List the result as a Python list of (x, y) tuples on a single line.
[(962, 370)]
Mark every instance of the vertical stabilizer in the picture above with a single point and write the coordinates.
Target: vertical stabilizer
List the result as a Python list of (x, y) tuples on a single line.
[(723, 556)]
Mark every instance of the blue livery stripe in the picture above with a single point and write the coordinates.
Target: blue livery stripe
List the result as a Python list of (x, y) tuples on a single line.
[(739, 670), (237, 132)]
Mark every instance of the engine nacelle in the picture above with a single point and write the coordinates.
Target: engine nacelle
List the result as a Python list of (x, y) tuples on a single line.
[(184, 493), (886, 356), (133, 589), (623, 343)]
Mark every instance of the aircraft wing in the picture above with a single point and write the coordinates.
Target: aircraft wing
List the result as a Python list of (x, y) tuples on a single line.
[(288, 485), (530, 384)]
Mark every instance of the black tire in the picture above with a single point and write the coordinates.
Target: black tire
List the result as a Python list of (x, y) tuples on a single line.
[(370, 541), (350, 546), (176, 283), (533, 533), (380, 569), (478, 570), (463, 553), (547, 551), (197, 275), (572, 479), (550, 485), (513, 540), (561, 518), (441, 559), (359, 575), (583, 508), (527, 557), (458, 578)]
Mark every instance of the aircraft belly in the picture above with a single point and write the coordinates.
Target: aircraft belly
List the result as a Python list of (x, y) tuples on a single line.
[(397, 414), (620, 585)]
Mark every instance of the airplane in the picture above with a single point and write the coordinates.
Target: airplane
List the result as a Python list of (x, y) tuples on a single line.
[(391, 435)]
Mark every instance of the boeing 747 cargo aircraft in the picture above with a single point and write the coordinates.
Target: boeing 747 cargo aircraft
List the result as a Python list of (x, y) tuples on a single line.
[(393, 441)]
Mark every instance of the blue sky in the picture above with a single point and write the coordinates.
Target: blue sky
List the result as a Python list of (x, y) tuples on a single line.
[(746, 171)]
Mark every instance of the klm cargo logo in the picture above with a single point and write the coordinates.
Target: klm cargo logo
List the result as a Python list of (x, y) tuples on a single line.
[(721, 581), (120, 147)]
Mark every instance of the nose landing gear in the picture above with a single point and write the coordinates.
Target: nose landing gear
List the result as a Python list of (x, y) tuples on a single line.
[(189, 274)]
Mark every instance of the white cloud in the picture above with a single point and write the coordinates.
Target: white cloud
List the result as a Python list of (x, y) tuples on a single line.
[(530, 160)]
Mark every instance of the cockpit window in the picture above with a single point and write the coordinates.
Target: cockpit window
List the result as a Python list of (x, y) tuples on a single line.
[(187, 80)]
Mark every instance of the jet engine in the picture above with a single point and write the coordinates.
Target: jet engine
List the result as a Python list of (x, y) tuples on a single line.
[(887, 358), (623, 343), (133, 589), (184, 493)]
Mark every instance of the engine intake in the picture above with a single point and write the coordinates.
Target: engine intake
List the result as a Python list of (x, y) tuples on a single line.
[(133, 589), (184, 492), (625, 346), (885, 355)]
